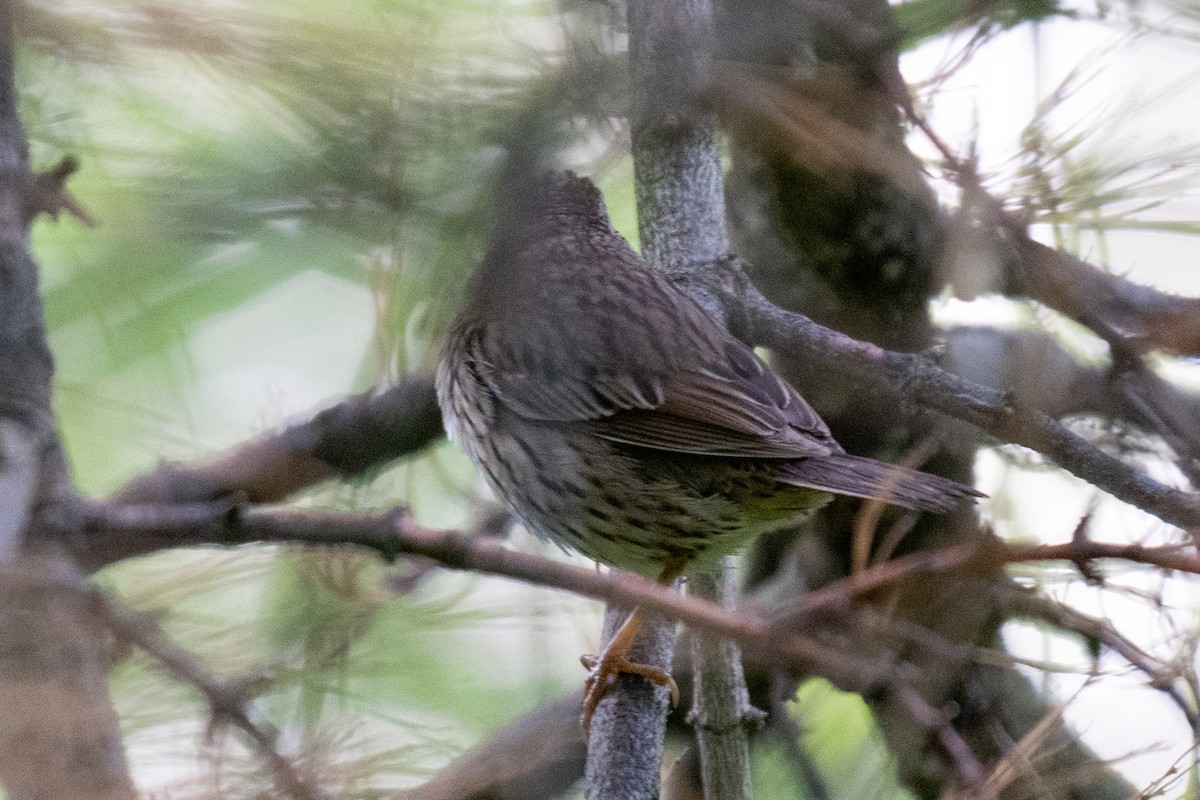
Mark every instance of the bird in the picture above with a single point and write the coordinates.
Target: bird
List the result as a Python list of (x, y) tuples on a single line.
[(614, 416)]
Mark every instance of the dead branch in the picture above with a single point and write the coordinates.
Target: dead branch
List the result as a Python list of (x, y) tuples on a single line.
[(916, 379), (538, 756), (1150, 319), (228, 702), (396, 534), (48, 194), (345, 440)]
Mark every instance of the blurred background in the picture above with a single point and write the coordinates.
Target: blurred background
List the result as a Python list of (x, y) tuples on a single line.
[(289, 195)]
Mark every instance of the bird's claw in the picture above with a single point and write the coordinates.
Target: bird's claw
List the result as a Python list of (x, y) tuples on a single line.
[(602, 674)]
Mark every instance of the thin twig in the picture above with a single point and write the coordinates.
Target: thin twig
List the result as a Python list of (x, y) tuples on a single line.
[(839, 595), (395, 534), (985, 557), (227, 702)]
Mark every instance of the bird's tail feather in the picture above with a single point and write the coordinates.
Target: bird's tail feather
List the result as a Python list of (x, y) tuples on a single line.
[(876, 480)]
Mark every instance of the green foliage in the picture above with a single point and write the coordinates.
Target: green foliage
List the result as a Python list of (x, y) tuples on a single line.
[(260, 172), (289, 196), (838, 746), (921, 20)]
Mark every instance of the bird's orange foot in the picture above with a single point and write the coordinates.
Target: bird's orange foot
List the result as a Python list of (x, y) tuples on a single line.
[(602, 674)]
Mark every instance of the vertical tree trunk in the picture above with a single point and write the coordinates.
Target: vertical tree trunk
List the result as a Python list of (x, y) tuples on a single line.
[(681, 220), (59, 738)]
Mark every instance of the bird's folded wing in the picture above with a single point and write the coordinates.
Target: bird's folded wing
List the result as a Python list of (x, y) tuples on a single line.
[(660, 430), (553, 393), (721, 412), (715, 403)]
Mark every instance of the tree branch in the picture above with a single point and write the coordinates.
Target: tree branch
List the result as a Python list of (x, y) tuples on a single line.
[(1151, 319), (395, 534), (345, 440), (681, 219), (803, 136), (916, 379), (366, 431), (228, 703), (537, 757), (721, 710), (768, 641)]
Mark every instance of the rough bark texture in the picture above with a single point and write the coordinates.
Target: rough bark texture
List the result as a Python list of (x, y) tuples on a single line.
[(58, 732), (681, 220), (625, 744), (834, 213), (721, 710), (59, 737)]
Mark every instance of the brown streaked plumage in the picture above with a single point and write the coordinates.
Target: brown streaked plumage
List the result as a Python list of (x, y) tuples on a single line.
[(617, 418)]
